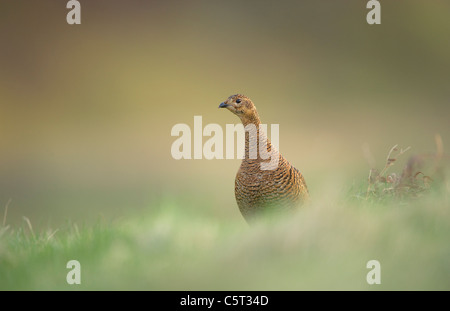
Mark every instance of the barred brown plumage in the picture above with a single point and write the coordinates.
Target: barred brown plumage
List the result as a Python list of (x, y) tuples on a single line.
[(258, 191)]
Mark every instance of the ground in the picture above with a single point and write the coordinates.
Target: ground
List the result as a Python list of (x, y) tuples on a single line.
[(326, 245)]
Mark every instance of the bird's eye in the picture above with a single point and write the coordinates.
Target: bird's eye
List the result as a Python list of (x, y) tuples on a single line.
[(238, 101)]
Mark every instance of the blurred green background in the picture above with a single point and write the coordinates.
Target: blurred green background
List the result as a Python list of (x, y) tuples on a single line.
[(86, 110)]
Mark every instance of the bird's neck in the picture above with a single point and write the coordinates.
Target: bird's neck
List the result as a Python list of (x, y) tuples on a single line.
[(254, 137), (252, 119)]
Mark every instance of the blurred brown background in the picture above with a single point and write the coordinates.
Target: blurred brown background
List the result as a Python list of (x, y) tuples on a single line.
[(86, 110)]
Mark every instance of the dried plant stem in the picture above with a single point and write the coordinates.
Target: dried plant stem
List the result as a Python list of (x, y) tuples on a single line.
[(29, 225), (389, 162), (6, 212), (52, 234), (370, 185)]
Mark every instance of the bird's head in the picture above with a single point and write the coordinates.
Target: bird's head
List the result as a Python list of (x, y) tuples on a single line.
[(243, 107)]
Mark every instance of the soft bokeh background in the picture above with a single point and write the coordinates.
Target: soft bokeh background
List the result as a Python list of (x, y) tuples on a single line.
[(86, 110), (86, 113)]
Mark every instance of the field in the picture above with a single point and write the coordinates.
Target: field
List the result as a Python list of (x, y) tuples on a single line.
[(180, 246), (86, 119)]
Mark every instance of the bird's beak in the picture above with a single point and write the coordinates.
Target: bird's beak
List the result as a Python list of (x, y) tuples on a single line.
[(223, 105)]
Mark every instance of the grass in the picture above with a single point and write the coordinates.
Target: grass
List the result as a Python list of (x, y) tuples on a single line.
[(325, 246), (403, 223)]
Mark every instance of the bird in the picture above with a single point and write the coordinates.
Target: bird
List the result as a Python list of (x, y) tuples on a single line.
[(261, 191)]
